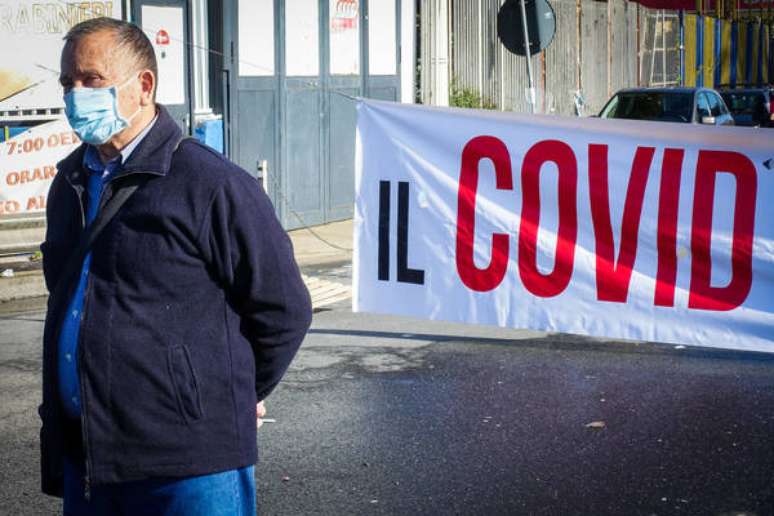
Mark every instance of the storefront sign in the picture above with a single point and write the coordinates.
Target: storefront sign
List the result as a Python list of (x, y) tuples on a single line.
[(28, 165), (31, 44)]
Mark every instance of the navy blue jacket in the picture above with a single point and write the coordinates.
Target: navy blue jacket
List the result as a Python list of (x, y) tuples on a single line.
[(193, 310)]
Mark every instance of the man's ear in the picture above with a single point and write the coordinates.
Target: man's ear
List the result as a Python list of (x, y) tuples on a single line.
[(148, 85)]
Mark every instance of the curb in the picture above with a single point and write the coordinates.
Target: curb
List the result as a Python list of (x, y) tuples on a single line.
[(311, 255), (23, 285), (30, 285)]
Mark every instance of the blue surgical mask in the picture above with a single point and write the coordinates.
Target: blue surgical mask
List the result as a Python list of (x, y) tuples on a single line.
[(93, 113)]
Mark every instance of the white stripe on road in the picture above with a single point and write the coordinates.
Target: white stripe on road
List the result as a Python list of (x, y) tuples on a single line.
[(326, 292)]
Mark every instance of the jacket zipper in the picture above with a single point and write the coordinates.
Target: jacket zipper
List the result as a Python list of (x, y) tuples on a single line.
[(84, 427), (81, 354), (80, 205), (86, 488)]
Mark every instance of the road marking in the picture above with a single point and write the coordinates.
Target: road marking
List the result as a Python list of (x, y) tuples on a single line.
[(326, 292)]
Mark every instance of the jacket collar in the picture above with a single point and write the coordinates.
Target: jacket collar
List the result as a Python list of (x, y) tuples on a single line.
[(153, 155), (72, 167)]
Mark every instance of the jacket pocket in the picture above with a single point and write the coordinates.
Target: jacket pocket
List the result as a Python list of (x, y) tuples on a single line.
[(185, 384)]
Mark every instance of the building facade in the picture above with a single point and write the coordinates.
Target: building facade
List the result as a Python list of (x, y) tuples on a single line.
[(598, 48), (271, 83)]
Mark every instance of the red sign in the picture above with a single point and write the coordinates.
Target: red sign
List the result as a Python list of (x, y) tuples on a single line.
[(345, 15), (162, 37)]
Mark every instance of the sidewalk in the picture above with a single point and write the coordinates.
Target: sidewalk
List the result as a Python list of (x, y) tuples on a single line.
[(317, 246), (323, 245)]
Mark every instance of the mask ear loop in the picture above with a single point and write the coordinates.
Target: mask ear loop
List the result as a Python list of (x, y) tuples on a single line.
[(116, 89)]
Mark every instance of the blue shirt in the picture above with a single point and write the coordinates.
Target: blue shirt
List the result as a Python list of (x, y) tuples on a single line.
[(99, 174)]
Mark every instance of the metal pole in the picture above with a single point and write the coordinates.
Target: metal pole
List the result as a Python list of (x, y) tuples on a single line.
[(502, 77), (531, 91), (639, 46), (681, 13), (480, 56), (653, 47), (609, 28), (663, 48)]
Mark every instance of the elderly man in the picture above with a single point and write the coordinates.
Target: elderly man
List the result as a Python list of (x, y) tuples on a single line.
[(176, 304)]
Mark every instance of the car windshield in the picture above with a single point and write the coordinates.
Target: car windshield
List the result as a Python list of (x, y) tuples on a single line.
[(744, 102), (651, 105)]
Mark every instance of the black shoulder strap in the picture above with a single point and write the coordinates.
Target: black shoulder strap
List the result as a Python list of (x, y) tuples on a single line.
[(105, 215)]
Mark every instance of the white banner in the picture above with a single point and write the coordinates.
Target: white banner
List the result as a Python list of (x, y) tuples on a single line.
[(620, 229), (28, 165)]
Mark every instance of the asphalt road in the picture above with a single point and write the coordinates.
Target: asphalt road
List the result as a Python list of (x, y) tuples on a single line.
[(385, 415)]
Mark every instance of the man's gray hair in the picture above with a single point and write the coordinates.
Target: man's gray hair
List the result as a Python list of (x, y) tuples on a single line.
[(130, 40)]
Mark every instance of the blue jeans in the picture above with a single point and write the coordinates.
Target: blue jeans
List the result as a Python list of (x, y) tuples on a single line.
[(230, 493)]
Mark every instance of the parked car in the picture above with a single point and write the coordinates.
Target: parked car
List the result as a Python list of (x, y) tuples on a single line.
[(683, 105), (751, 106)]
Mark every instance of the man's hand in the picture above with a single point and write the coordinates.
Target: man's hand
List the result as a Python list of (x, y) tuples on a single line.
[(260, 411)]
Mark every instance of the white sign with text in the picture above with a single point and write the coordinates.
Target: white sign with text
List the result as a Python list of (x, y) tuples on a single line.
[(619, 229), (28, 166)]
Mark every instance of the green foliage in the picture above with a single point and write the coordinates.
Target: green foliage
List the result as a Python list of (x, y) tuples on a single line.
[(468, 98)]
